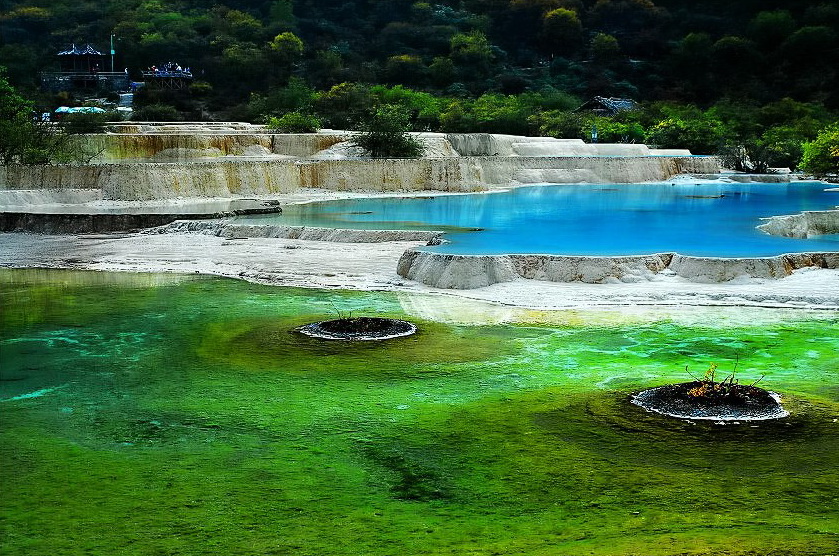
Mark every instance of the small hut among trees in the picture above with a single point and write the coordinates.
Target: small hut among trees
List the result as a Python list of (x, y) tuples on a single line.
[(603, 106), (76, 59)]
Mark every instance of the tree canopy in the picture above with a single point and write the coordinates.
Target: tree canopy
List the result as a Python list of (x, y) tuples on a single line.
[(744, 49), (511, 66)]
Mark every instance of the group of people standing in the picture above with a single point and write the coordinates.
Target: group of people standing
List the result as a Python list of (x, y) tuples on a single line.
[(170, 67)]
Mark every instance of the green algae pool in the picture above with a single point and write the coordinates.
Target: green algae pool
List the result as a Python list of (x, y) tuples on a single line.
[(158, 415)]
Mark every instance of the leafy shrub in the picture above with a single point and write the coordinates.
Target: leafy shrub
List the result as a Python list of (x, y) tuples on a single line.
[(495, 113), (424, 109), (293, 122), (563, 124), (25, 141), (821, 157), (344, 105), (701, 136), (157, 113), (386, 134), (297, 96), (457, 117), (84, 122), (610, 130)]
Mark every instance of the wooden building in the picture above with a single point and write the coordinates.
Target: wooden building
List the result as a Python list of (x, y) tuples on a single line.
[(606, 106), (80, 68)]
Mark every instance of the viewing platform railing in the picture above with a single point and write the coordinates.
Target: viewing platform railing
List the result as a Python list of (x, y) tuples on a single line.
[(65, 80), (160, 73), (161, 79)]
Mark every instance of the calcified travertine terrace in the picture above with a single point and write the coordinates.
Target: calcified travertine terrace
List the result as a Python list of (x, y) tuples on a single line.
[(142, 163), (170, 164)]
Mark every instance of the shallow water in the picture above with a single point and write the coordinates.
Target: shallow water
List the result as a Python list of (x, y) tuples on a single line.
[(710, 219), (148, 414)]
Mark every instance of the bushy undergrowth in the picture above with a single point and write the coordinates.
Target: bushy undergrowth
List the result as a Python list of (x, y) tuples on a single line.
[(385, 134), (293, 122)]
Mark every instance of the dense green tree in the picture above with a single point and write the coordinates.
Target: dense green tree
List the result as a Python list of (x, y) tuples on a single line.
[(23, 139), (472, 55), (807, 45), (457, 117), (701, 135), (406, 68), (821, 157), (241, 25), (441, 71), (701, 52), (740, 119), (15, 122), (605, 49), (157, 113), (561, 32), (611, 130), (281, 15), (286, 48), (422, 108), (345, 105), (327, 69), (783, 145), (563, 124), (385, 134), (283, 52), (770, 29), (736, 57), (502, 114), (691, 66), (293, 122), (297, 96)]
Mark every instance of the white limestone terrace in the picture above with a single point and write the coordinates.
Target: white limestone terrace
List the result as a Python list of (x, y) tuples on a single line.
[(803, 225), (144, 162), (165, 141), (372, 266), (143, 165), (441, 270)]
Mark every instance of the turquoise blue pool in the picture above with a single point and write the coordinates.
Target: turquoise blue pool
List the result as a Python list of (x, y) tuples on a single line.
[(716, 219)]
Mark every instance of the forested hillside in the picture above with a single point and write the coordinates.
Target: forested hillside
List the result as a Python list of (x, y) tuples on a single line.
[(459, 65), (695, 51)]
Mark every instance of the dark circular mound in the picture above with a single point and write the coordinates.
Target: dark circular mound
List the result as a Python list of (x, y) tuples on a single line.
[(694, 400), (359, 328)]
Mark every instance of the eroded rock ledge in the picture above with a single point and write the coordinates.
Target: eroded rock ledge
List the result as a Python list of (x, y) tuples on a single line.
[(81, 219), (802, 225), (310, 233), (476, 271), (139, 162), (235, 178)]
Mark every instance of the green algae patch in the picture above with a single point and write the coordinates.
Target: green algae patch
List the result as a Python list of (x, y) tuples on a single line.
[(592, 471), (176, 415), (272, 344)]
